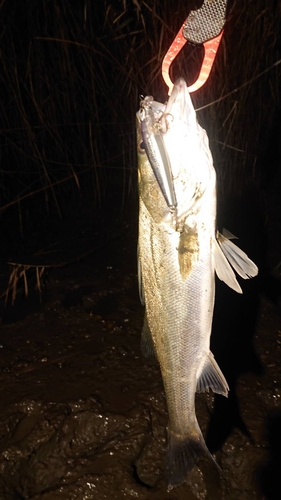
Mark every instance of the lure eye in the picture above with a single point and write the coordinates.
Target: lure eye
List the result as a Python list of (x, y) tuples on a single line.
[(141, 148)]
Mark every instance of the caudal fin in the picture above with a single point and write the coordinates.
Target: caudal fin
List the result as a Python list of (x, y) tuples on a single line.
[(182, 455)]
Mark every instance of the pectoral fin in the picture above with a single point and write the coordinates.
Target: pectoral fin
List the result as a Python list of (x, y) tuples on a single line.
[(188, 251), (211, 377), (240, 261)]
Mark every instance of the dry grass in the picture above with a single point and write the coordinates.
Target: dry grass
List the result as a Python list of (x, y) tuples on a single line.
[(71, 75), (18, 274), (239, 125)]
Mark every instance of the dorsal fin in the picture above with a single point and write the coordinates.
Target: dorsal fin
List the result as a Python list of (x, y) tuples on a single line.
[(223, 269), (239, 260)]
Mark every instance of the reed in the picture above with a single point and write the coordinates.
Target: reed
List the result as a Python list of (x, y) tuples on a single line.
[(71, 76)]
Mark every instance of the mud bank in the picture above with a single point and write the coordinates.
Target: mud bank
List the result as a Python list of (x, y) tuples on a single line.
[(83, 414)]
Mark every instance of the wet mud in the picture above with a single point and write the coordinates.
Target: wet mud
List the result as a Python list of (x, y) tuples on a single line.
[(83, 414)]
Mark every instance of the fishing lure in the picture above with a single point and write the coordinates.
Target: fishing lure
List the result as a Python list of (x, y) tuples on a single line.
[(151, 130)]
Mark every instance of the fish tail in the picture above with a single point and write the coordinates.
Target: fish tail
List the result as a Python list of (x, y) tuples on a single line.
[(182, 455)]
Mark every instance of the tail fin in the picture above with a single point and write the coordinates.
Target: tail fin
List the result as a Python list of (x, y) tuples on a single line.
[(182, 455)]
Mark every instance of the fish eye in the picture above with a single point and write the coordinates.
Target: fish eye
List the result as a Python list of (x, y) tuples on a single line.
[(141, 148)]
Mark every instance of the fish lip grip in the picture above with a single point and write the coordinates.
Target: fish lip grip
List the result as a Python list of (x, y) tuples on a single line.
[(205, 27)]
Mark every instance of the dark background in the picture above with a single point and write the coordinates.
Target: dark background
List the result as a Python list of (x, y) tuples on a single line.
[(71, 77)]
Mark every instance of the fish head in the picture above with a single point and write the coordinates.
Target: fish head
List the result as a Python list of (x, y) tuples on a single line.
[(184, 168), (187, 146), (179, 105)]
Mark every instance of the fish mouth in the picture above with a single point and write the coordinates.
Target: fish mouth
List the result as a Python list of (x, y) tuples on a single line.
[(179, 105)]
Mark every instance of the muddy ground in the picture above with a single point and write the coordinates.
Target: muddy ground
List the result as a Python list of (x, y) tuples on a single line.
[(83, 414)]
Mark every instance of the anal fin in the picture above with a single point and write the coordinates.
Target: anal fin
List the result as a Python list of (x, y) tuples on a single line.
[(141, 294), (211, 377), (147, 347)]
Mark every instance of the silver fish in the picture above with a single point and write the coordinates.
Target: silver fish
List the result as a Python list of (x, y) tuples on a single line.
[(179, 253)]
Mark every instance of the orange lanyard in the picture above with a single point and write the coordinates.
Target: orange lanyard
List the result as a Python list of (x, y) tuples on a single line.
[(203, 26)]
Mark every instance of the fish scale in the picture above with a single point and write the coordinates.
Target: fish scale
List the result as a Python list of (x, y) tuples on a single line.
[(184, 336)]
